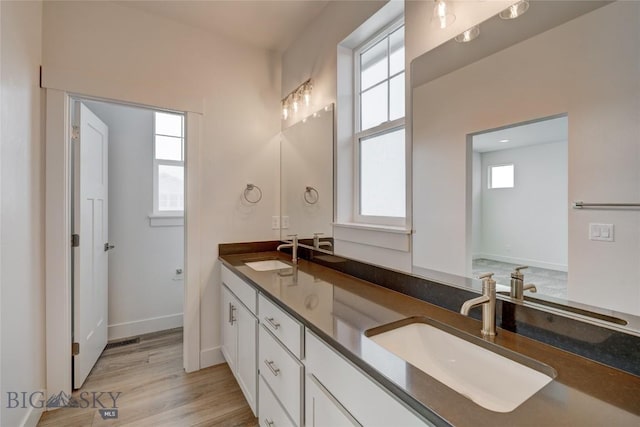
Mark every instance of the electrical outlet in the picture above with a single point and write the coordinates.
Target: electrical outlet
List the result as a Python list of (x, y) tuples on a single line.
[(285, 222), (275, 222)]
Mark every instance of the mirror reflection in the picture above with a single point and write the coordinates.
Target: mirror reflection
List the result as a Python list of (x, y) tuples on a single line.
[(306, 180), (514, 169), (530, 130)]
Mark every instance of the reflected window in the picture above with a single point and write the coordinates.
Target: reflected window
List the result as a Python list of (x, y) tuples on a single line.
[(501, 176)]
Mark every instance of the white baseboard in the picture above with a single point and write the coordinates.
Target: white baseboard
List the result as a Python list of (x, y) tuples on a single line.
[(210, 357), (522, 261), (144, 326), (32, 416)]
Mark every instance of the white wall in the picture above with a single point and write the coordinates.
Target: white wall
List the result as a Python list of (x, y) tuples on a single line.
[(476, 204), (527, 224), (602, 105), (111, 51), (22, 171), (143, 293)]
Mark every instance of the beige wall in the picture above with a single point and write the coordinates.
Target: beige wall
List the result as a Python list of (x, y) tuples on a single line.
[(587, 68), (22, 172), (112, 51)]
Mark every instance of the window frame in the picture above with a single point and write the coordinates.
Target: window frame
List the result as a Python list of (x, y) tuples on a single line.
[(490, 176), (378, 130), (161, 162)]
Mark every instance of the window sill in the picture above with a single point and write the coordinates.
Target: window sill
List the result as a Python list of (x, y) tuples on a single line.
[(159, 220), (373, 227), (381, 236)]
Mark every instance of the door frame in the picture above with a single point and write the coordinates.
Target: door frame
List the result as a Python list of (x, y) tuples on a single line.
[(58, 292)]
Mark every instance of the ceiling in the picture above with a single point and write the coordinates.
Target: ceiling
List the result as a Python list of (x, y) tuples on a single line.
[(539, 132), (261, 23)]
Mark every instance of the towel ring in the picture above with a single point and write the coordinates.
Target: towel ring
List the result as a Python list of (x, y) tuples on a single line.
[(311, 195), (247, 192)]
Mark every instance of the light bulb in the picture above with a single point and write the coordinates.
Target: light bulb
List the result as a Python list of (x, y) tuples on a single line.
[(306, 93), (285, 111), (295, 105), (442, 14)]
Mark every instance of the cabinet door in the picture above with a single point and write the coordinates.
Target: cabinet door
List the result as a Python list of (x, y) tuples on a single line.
[(246, 370), (229, 310), (322, 409)]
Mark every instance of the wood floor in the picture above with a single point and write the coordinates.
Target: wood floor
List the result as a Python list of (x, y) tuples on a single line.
[(156, 391)]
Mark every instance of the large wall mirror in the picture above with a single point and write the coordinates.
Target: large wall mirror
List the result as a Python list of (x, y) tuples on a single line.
[(306, 180), (511, 131)]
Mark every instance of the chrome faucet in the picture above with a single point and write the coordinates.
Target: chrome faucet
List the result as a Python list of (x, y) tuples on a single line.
[(488, 302), (294, 248), (517, 284), (317, 243)]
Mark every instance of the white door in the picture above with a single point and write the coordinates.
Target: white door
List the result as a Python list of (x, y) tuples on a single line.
[(90, 257)]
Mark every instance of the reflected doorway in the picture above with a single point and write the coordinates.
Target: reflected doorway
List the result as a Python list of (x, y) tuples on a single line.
[(520, 203)]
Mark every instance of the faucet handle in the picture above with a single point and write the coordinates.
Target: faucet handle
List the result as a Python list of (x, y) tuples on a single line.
[(522, 267), (318, 234), (488, 284)]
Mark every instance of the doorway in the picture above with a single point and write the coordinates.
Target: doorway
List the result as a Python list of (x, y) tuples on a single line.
[(58, 300), (520, 203), (143, 228)]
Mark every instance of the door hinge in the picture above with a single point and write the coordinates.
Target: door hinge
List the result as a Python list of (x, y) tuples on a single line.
[(75, 240), (75, 133), (75, 348)]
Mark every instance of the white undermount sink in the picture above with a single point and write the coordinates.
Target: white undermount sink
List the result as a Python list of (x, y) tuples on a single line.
[(491, 380), (267, 265)]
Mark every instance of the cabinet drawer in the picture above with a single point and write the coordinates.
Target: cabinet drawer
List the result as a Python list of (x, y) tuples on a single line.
[(271, 412), (281, 325), (364, 399), (283, 373), (245, 292)]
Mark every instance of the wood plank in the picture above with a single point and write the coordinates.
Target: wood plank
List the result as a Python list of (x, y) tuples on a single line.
[(156, 391)]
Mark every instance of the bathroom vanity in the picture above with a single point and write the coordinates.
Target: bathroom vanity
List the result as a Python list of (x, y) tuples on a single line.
[(319, 359)]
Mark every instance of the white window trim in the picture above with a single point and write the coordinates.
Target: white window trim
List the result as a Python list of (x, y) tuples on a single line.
[(156, 214), (382, 128)]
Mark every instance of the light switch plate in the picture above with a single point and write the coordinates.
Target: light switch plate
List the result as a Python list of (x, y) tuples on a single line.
[(601, 232), (275, 222), (285, 222)]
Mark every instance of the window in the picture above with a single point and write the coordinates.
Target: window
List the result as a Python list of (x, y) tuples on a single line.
[(168, 164), (380, 136), (501, 176)]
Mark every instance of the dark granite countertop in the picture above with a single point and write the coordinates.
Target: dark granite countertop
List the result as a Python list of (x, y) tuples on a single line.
[(340, 308)]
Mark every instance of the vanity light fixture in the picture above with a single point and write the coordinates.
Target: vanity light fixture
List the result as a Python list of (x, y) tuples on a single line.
[(291, 102), (468, 35), (515, 10), (442, 14)]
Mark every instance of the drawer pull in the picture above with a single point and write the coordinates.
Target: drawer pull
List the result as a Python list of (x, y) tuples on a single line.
[(272, 322), (272, 367), (268, 422)]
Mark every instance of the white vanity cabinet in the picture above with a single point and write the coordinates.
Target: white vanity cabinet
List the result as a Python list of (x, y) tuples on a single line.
[(239, 333), (346, 395)]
